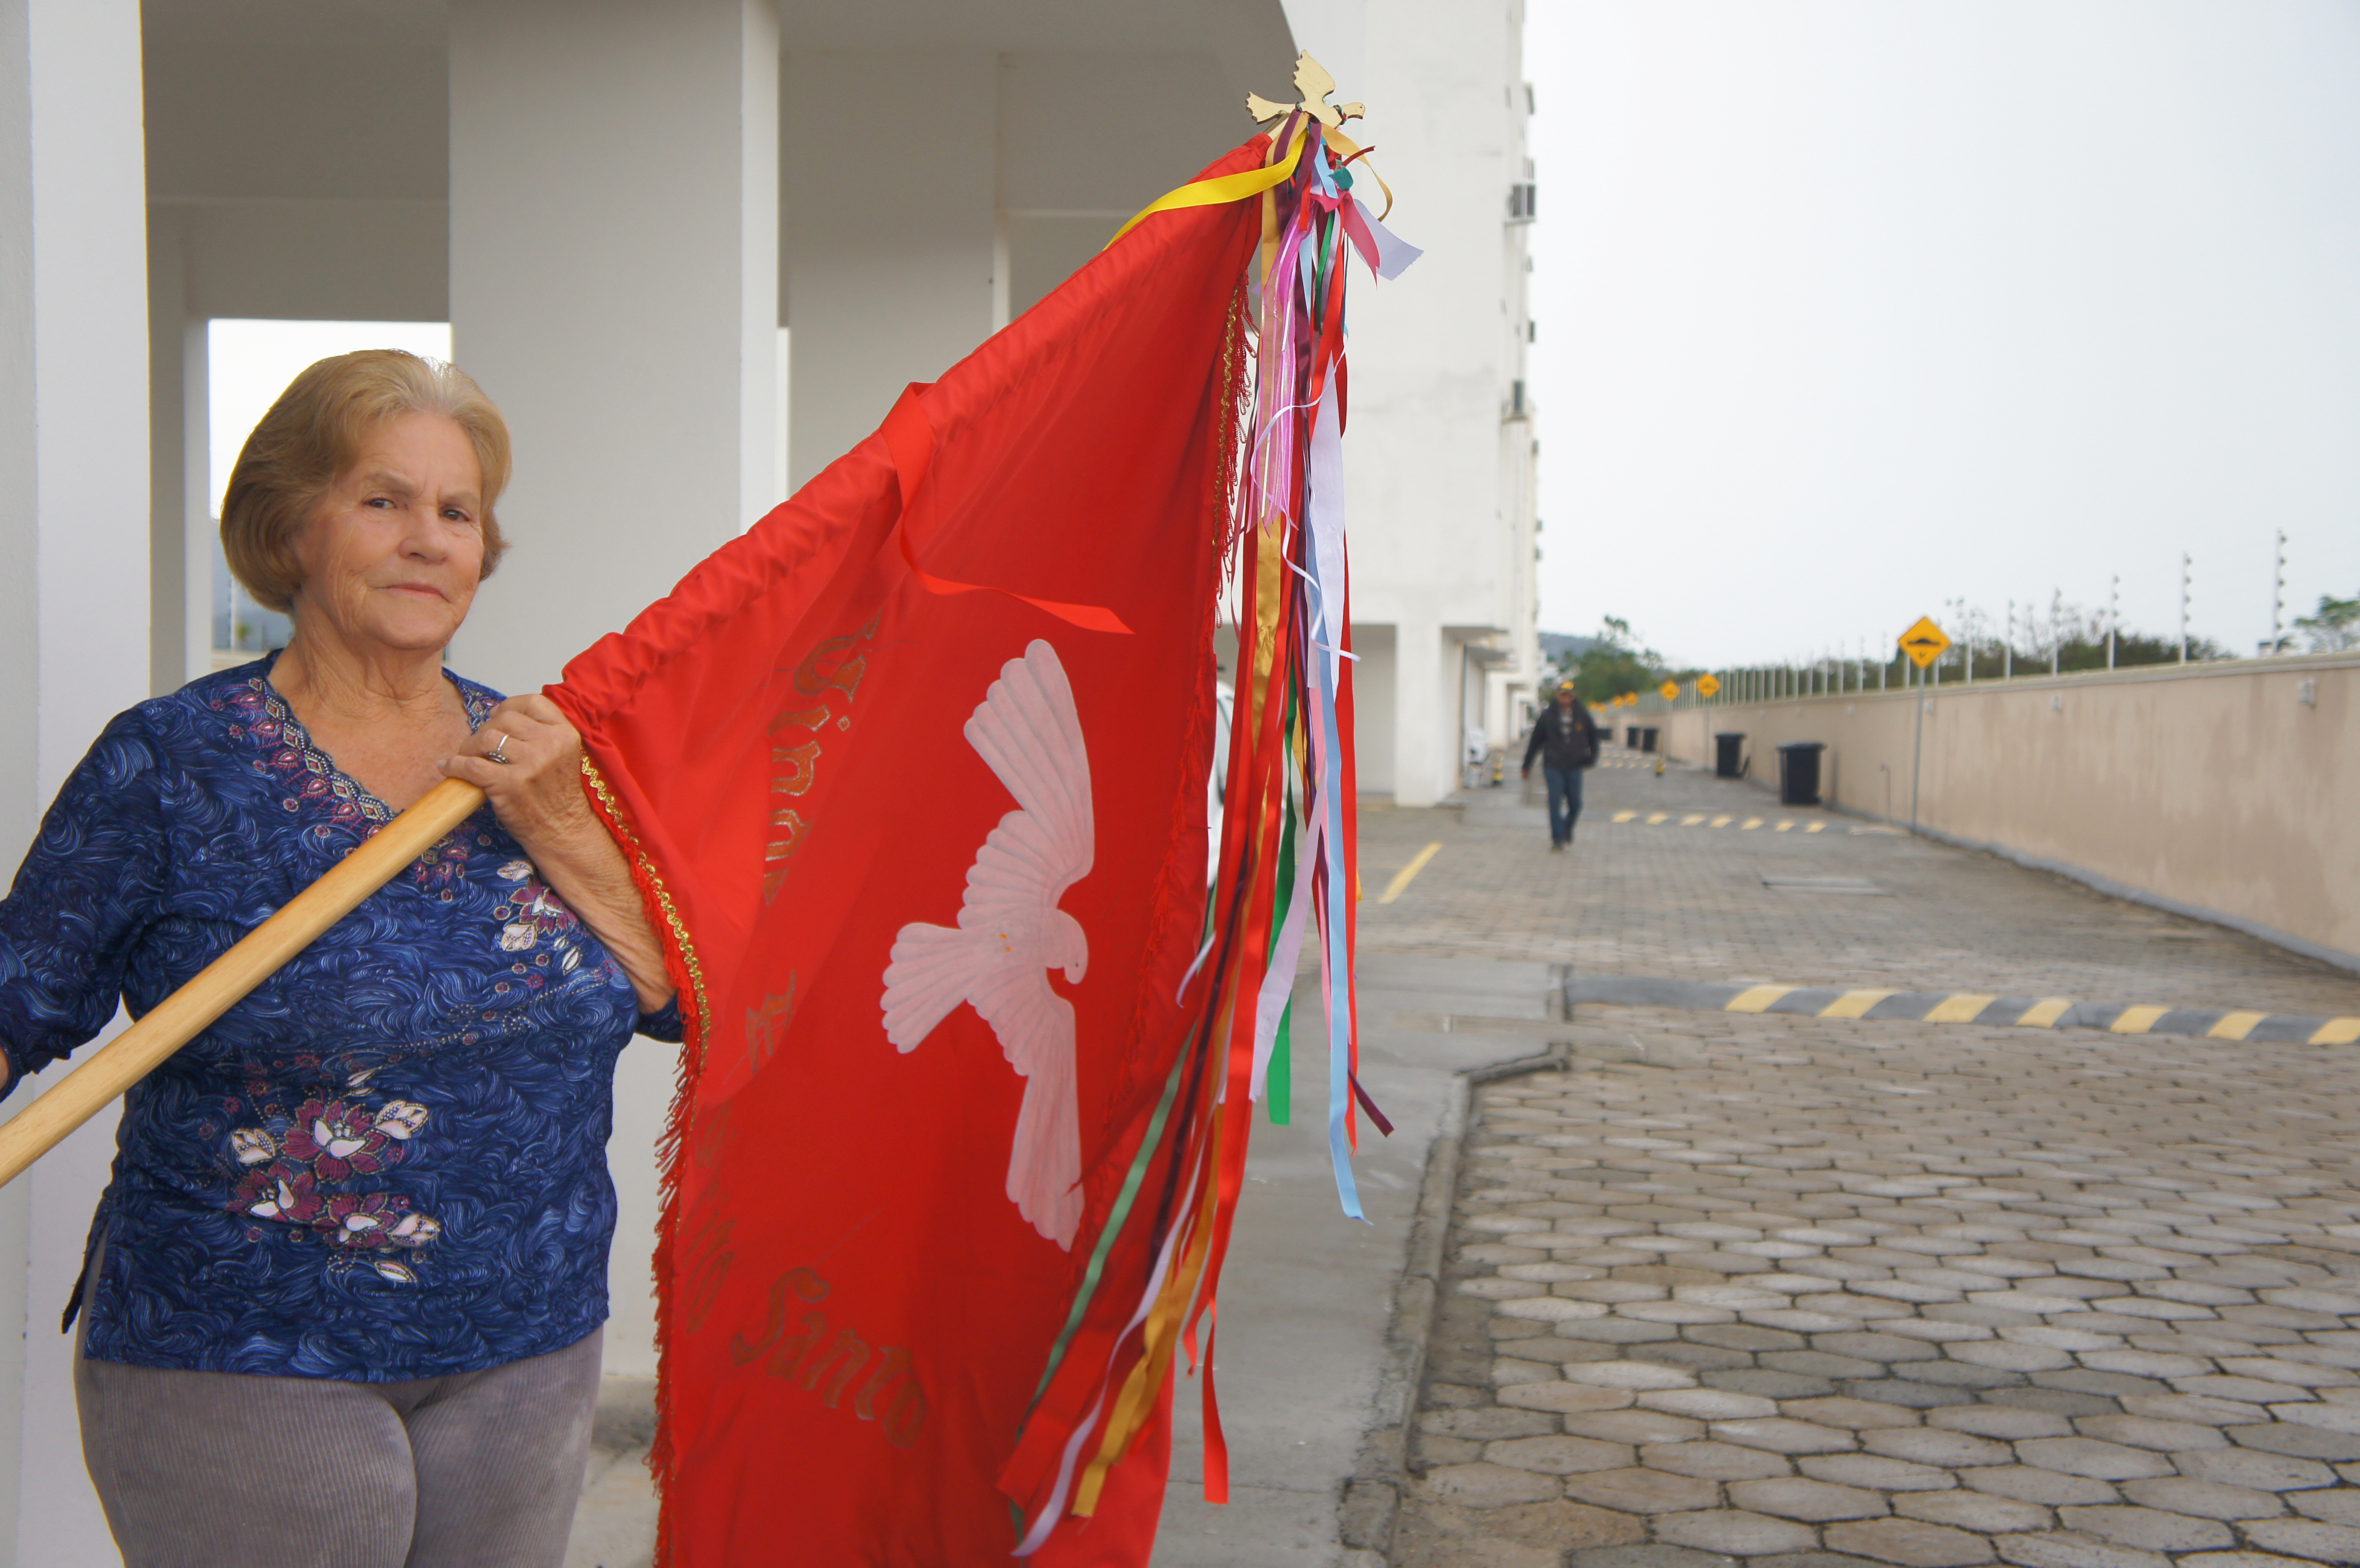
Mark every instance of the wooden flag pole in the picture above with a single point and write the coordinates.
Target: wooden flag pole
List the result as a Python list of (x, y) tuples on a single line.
[(221, 984)]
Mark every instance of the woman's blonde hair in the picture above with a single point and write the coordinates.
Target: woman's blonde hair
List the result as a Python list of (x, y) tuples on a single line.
[(314, 432)]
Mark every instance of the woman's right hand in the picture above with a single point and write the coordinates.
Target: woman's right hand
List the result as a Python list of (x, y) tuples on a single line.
[(535, 791)]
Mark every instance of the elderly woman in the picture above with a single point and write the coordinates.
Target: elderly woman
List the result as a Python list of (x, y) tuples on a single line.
[(343, 1298)]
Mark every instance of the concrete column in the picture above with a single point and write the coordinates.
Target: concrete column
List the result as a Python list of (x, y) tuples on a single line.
[(614, 285), (891, 234), (1433, 372), (1425, 704), (199, 529), (73, 622), (20, 702), (1373, 707), (180, 531)]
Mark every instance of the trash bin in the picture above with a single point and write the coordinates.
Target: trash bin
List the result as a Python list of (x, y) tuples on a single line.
[(1799, 773), (1647, 738), (1727, 757)]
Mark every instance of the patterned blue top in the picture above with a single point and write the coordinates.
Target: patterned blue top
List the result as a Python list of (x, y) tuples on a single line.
[(386, 1162)]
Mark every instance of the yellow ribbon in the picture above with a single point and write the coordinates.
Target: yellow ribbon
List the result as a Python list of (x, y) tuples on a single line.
[(1136, 1402), (1221, 188)]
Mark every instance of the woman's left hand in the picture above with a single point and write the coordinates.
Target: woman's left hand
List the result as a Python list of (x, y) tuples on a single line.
[(527, 758)]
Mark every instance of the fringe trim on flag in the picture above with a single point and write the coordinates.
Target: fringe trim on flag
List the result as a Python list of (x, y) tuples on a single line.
[(687, 977)]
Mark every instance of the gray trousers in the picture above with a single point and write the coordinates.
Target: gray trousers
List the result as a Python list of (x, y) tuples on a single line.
[(478, 1470)]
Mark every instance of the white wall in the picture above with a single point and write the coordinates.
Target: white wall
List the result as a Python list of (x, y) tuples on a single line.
[(1156, 119), (613, 286), (1516, 682), (1373, 708), (19, 651), (890, 243), (180, 524), (2220, 789), (910, 238), (316, 259), (1438, 506), (1335, 32), (74, 527)]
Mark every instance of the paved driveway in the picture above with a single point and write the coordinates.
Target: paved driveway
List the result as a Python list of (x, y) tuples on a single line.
[(1825, 1291)]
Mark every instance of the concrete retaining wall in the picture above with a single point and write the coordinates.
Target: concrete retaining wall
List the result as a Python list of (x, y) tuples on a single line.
[(2229, 790)]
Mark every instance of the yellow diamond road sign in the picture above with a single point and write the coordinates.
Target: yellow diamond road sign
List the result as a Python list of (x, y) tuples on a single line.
[(1671, 690), (1923, 642), (1707, 685)]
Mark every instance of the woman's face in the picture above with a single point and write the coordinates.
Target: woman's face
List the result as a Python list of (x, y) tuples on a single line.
[(392, 552)]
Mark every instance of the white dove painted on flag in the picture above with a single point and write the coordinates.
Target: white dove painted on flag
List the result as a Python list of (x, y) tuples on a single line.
[(1010, 932)]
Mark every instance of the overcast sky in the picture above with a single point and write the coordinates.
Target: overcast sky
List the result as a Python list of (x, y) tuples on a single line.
[(1849, 307)]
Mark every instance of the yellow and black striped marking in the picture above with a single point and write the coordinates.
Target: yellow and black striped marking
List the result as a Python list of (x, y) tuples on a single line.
[(1965, 1008), (1738, 821)]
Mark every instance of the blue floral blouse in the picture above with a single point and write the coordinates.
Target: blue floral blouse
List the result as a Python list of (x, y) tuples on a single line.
[(386, 1162)]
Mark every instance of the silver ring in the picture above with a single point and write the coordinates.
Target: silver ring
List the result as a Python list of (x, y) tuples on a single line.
[(499, 752)]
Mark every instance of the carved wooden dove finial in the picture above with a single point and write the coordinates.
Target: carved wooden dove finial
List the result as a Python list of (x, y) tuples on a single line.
[(1312, 82)]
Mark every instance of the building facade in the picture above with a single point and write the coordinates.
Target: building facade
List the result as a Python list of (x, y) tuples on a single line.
[(1440, 448), (693, 248)]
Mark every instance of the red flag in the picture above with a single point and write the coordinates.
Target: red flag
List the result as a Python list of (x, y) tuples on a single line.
[(913, 780), (878, 733)]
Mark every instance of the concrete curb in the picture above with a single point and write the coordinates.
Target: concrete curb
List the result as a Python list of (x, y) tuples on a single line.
[(1372, 1497), (1371, 1500)]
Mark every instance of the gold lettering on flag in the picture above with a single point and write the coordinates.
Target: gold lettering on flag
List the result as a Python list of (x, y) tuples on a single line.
[(766, 1026), (808, 1355), (831, 672)]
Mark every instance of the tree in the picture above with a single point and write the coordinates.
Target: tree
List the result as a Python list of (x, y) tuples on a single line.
[(2336, 626), (1617, 662)]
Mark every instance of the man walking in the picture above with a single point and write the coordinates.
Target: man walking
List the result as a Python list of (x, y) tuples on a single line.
[(1566, 740)]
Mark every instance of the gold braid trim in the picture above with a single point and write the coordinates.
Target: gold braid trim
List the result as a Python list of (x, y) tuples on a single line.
[(612, 810)]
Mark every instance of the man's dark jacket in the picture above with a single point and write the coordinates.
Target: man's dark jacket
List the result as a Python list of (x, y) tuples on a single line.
[(1563, 740)]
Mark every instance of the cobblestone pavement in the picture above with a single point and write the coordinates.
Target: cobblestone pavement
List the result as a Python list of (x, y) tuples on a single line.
[(1676, 902), (1823, 1293), (1765, 1288)]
